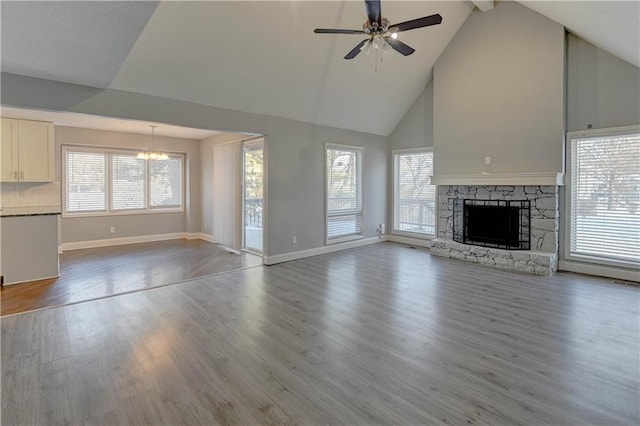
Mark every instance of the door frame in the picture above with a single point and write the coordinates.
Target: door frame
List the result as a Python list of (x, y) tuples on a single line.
[(258, 140)]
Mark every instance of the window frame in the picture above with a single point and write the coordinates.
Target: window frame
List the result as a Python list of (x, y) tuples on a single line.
[(359, 179), (109, 211), (568, 206), (395, 171)]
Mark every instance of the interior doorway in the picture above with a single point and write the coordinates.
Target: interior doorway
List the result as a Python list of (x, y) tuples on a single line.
[(253, 195)]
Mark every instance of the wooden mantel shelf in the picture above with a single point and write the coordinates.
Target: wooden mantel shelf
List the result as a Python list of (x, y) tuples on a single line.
[(483, 179)]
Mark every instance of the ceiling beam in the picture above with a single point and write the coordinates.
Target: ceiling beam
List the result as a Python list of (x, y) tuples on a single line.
[(483, 5)]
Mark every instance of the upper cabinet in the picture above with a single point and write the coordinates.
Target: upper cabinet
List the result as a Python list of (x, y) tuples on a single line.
[(27, 151)]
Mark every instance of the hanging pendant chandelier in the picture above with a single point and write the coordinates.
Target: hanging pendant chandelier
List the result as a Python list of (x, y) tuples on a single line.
[(152, 153)]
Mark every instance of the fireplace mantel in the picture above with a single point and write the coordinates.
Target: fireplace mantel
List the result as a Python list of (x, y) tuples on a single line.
[(482, 179)]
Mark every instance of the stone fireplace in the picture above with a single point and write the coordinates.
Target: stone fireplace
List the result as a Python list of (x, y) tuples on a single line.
[(542, 226)]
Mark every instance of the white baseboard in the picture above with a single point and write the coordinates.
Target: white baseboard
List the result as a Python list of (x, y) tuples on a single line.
[(600, 270), (419, 242), (120, 241), (207, 237), (286, 257)]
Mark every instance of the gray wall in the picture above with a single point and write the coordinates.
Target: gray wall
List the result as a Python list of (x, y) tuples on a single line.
[(602, 90), (97, 227), (499, 92), (415, 129), (295, 151)]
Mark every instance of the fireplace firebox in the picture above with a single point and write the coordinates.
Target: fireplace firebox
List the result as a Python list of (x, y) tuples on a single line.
[(501, 224)]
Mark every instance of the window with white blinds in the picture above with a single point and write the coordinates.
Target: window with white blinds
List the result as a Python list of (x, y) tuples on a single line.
[(414, 198), (86, 182), (344, 192), (605, 196), (106, 181), (127, 182), (165, 183)]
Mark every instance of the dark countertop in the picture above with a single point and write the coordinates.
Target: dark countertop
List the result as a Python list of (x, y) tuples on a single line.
[(30, 211)]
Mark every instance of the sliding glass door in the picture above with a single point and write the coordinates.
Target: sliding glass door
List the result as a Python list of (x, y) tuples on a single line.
[(253, 201)]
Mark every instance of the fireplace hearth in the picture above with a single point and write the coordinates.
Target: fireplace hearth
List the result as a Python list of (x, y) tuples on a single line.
[(503, 224)]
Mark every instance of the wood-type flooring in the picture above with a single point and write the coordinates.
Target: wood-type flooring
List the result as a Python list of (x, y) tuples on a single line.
[(381, 334), (105, 271)]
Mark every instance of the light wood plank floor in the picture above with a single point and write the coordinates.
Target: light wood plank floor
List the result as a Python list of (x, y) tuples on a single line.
[(382, 334), (99, 272)]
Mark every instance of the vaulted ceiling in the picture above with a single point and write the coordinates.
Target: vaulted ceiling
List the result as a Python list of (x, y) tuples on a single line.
[(263, 56)]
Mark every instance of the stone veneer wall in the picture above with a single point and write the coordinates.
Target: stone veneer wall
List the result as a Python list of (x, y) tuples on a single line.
[(542, 259)]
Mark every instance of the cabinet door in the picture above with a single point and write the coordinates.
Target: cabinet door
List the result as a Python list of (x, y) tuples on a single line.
[(9, 154), (35, 151)]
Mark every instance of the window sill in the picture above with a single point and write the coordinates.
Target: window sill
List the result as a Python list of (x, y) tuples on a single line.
[(603, 261), (66, 215), (413, 235), (344, 239)]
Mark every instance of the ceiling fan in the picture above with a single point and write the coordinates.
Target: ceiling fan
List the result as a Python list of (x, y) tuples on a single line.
[(382, 35)]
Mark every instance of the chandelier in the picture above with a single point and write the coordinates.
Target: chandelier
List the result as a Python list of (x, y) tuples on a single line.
[(152, 153)]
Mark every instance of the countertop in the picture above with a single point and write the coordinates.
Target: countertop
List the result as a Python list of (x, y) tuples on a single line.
[(29, 211)]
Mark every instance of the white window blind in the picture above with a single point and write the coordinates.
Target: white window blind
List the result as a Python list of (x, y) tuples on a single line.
[(86, 185), (127, 182), (414, 196), (605, 196), (344, 192), (101, 181), (165, 184)]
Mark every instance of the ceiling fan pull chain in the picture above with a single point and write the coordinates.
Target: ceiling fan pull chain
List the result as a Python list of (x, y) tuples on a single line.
[(376, 60)]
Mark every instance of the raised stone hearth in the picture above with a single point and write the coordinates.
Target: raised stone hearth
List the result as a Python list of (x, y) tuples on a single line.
[(516, 260), (542, 259)]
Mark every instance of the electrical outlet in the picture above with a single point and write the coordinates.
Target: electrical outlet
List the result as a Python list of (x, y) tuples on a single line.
[(112, 230), (294, 240), (487, 160), (205, 226)]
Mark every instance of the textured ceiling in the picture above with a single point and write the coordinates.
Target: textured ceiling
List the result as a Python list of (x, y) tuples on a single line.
[(263, 56), (613, 26), (82, 42)]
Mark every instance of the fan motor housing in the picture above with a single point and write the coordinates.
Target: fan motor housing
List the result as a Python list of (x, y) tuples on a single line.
[(370, 28)]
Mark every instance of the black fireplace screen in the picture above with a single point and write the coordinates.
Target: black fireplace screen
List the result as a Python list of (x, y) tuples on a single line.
[(492, 223)]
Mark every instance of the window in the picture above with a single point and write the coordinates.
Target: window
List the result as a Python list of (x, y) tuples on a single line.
[(604, 199), (165, 185), (99, 181), (127, 182), (86, 185), (414, 198), (344, 193)]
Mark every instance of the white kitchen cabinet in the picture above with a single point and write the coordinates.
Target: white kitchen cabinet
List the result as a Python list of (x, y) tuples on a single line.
[(27, 151), (9, 154)]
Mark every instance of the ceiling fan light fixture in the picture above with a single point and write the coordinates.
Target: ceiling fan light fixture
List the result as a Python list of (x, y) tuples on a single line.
[(366, 47), (377, 42), (386, 46), (381, 34)]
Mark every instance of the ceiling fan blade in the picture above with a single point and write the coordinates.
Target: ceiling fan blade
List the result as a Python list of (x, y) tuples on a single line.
[(374, 12), (354, 52), (399, 46), (418, 23), (336, 31)]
